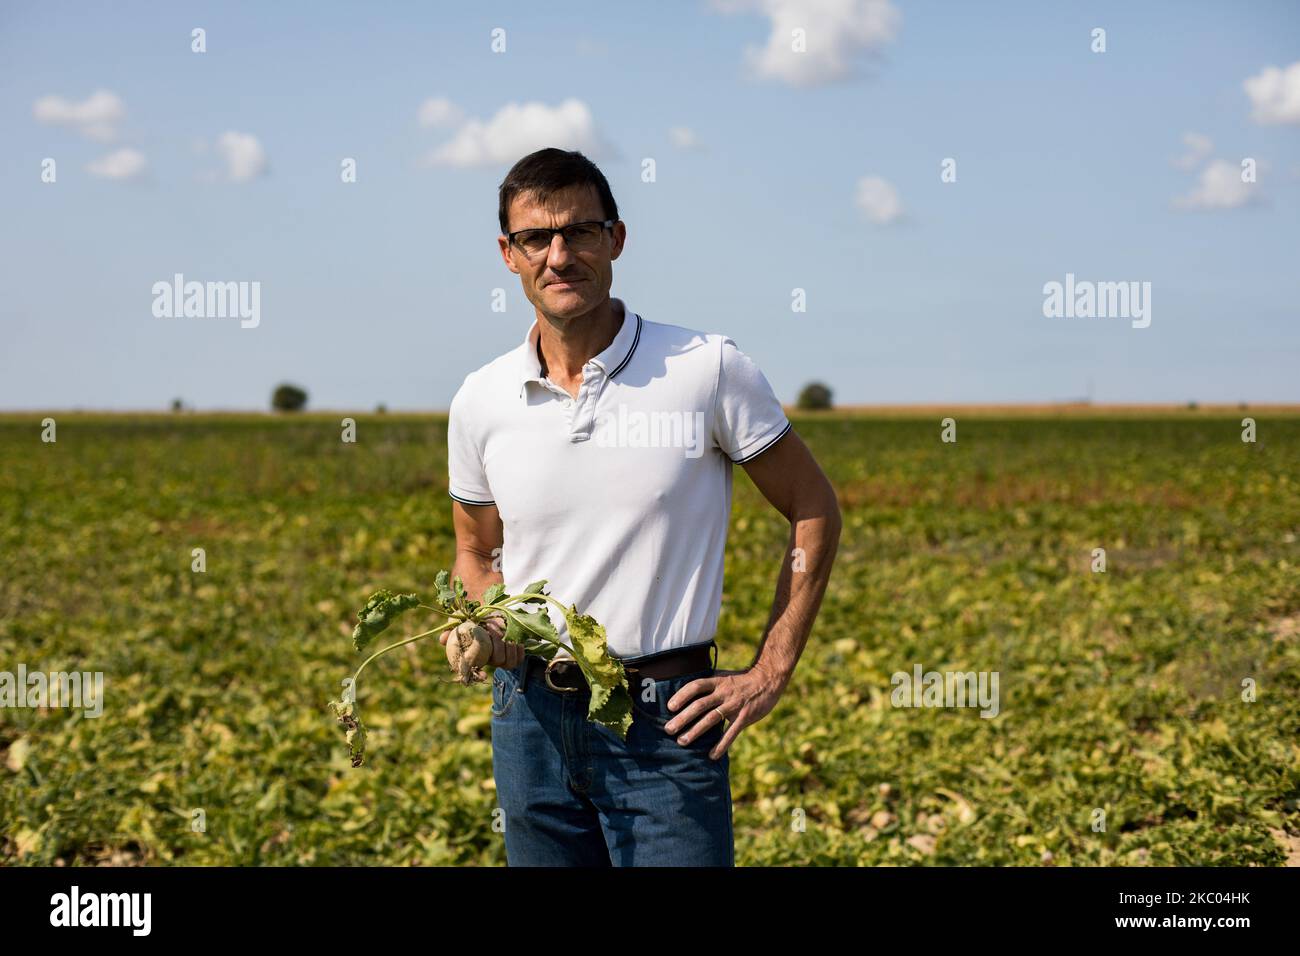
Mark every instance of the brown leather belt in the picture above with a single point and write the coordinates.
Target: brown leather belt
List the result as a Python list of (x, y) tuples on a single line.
[(564, 675)]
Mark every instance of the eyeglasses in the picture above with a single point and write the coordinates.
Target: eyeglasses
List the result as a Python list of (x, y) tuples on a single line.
[(578, 236)]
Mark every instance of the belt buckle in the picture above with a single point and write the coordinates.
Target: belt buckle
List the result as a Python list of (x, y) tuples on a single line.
[(547, 675)]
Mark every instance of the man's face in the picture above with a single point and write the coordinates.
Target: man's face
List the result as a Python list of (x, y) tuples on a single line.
[(563, 283)]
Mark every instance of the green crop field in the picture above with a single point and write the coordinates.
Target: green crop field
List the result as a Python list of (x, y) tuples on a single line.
[(1149, 714)]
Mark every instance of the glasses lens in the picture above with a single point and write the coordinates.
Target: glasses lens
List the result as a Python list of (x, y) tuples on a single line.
[(534, 242), (583, 236)]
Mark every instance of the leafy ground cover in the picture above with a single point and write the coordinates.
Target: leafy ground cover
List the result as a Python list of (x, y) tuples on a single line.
[(1120, 692)]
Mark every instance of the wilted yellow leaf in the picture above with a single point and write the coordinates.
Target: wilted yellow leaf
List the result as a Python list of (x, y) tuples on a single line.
[(18, 751)]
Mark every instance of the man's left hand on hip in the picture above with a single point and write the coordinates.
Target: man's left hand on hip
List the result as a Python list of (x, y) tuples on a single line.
[(740, 697)]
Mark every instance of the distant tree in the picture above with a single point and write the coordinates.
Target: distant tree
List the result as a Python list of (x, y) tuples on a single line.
[(177, 405), (815, 397), (288, 398), (1192, 406), (381, 409)]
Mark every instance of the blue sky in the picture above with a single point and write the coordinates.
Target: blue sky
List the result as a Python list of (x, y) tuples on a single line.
[(225, 166)]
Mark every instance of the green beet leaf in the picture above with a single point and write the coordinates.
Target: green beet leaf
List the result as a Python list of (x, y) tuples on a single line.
[(522, 626), (446, 596), (611, 702), (533, 589), (380, 611)]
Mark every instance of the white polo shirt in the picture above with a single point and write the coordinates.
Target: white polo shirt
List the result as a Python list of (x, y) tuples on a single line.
[(620, 497)]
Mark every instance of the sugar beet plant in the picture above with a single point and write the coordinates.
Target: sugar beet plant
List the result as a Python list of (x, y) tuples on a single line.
[(469, 646)]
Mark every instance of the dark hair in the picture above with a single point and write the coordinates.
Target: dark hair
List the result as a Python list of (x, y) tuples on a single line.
[(548, 171)]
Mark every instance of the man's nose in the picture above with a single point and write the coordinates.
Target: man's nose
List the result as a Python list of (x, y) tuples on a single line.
[(559, 254)]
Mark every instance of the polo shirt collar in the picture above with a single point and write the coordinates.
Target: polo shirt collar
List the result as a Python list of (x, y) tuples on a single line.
[(612, 360)]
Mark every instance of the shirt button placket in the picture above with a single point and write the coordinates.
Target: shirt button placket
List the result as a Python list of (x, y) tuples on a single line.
[(585, 410)]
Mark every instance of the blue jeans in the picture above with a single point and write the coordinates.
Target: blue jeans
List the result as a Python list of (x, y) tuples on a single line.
[(574, 794)]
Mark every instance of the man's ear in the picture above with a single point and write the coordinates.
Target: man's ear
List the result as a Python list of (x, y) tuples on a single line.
[(504, 245), (619, 237)]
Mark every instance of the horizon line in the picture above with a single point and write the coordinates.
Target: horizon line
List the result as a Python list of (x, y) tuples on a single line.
[(1066, 405)]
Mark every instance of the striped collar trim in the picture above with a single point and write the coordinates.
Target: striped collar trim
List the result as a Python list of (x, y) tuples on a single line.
[(624, 344)]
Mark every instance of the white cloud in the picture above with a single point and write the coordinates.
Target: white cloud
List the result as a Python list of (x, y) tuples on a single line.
[(879, 200), (683, 137), (1199, 148), (837, 32), (95, 117), (1220, 187), (439, 111), (119, 164), (518, 129), (243, 155), (1275, 95)]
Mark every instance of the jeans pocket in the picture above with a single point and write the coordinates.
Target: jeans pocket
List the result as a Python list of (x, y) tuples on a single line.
[(505, 688), (655, 709)]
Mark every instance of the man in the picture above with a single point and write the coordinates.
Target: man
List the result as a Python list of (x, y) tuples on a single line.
[(598, 455)]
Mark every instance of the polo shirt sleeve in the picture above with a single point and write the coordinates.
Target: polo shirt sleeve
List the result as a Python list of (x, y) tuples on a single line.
[(466, 479), (748, 418)]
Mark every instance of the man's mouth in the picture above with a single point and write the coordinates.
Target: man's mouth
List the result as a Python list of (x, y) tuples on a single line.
[(565, 283)]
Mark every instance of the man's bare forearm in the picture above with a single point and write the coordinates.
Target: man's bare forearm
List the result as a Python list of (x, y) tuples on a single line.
[(474, 568), (814, 539)]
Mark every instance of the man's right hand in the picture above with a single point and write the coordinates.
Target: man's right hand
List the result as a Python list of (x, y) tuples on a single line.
[(504, 653)]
